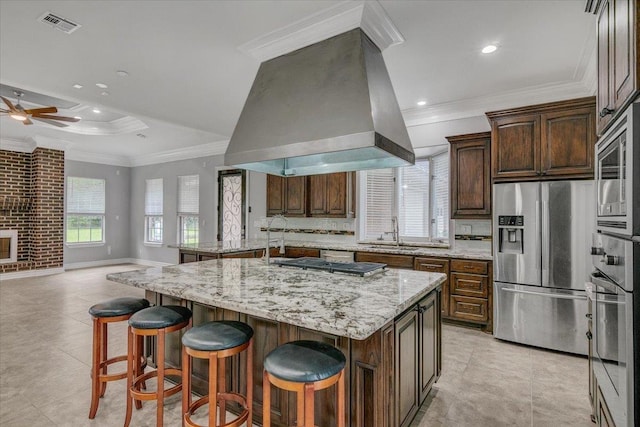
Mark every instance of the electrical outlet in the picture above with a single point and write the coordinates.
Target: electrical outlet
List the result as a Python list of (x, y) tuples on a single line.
[(108, 250), (465, 229)]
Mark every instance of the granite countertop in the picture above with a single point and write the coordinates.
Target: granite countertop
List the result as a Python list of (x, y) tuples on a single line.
[(334, 303), (247, 245)]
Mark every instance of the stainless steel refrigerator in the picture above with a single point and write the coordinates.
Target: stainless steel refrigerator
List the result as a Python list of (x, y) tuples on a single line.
[(541, 235)]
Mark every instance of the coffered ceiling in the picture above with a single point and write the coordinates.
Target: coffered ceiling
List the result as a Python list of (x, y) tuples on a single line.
[(188, 78)]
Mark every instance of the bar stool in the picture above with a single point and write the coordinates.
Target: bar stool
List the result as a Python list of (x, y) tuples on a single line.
[(153, 321), (111, 311), (217, 341), (304, 367)]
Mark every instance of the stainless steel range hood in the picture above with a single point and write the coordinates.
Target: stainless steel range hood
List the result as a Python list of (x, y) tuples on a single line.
[(328, 107)]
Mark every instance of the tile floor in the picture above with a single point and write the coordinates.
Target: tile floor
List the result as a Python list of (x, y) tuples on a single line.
[(45, 352)]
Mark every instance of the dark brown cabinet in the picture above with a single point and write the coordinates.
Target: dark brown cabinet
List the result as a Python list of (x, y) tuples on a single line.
[(470, 292), (286, 196), (470, 180), (436, 265), (393, 261), (618, 38), (546, 141), (417, 359), (328, 195)]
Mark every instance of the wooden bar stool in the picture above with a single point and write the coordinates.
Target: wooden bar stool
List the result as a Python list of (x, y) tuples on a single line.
[(304, 367), (153, 321), (111, 311), (217, 341)]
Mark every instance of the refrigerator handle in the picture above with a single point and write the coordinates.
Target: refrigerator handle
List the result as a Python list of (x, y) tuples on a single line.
[(538, 249), (545, 243)]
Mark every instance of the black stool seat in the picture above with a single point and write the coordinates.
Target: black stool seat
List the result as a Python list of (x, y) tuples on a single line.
[(160, 316), (118, 307), (217, 336), (304, 361)]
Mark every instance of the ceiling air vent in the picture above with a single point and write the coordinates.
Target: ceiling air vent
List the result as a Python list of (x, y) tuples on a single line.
[(59, 23)]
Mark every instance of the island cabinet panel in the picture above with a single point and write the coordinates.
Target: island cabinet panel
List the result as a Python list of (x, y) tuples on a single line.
[(436, 265), (407, 368), (394, 261), (430, 357), (545, 141), (618, 77), (470, 180)]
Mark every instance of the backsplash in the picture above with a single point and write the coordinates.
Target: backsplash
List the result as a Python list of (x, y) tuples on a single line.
[(472, 234), (309, 229)]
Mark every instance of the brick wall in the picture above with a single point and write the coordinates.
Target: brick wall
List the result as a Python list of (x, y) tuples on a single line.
[(38, 177)]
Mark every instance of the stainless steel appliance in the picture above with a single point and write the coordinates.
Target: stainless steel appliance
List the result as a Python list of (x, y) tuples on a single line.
[(358, 268), (617, 309), (541, 230), (617, 169)]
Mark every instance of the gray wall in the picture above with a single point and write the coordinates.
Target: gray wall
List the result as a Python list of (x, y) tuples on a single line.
[(117, 209), (206, 167)]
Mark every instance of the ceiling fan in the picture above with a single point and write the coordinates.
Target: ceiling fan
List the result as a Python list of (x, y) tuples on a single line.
[(17, 112)]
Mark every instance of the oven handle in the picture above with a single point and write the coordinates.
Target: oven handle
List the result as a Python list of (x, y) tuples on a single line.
[(603, 282), (545, 294)]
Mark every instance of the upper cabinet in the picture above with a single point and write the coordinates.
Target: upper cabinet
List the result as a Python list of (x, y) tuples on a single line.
[(546, 141), (327, 196), (470, 175), (618, 39)]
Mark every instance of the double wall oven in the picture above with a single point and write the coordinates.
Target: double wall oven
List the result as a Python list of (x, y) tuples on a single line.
[(616, 268)]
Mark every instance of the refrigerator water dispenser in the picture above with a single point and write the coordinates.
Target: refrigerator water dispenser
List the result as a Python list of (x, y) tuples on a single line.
[(510, 234)]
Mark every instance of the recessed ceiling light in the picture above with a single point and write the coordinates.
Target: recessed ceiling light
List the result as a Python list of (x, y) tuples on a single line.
[(489, 48), (102, 85), (122, 73), (77, 86), (421, 103), (97, 111), (77, 117), (105, 93)]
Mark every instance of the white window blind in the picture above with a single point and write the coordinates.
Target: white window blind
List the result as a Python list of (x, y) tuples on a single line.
[(413, 206), (85, 195), (379, 202), (188, 194), (440, 196), (153, 197)]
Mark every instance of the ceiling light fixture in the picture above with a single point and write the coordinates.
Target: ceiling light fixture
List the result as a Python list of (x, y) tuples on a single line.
[(95, 110), (78, 86), (122, 73), (489, 48), (77, 117), (102, 85), (18, 116), (421, 103)]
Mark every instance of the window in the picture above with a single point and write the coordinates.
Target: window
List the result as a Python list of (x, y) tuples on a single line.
[(85, 210), (188, 209), (153, 211), (417, 195)]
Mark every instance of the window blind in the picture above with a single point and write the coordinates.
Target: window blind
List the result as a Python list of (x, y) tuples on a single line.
[(153, 197), (440, 188), (379, 202), (413, 209), (188, 194), (85, 195)]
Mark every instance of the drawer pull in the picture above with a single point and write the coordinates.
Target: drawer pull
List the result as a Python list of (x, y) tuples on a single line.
[(432, 265)]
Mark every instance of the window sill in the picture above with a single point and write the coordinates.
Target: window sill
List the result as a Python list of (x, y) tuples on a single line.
[(153, 245), (85, 245)]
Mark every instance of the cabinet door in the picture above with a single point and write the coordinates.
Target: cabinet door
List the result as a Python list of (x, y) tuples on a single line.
[(429, 343), (436, 265), (275, 195), (603, 102), (296, 196), (406, 368), (622, 53), (470, 176), (318, 195), (515, 147), (336, 194), (567, 142)]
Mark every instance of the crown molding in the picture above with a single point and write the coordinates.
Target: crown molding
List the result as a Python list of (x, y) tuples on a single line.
[(51, 143), (21, 146), (100, 158), (203, 150), (119, 126), (345, 16)]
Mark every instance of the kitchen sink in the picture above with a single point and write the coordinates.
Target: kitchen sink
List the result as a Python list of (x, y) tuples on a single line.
[(395, 248)]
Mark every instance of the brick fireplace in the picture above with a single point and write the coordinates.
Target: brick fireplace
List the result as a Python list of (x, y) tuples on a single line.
[(32, 204)]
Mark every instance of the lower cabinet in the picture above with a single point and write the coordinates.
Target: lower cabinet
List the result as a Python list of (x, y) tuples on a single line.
[(417, 356), (436, 265), (470, 292)]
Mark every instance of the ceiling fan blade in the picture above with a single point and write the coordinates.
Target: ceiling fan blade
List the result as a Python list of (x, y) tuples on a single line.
[(9, 104), (27, 122), (42, 110), (51, 122), (61, 118)]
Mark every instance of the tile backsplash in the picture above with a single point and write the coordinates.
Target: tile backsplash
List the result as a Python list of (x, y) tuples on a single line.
[(472, 234)]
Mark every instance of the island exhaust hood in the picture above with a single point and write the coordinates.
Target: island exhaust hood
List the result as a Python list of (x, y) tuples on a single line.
[(328, 107)]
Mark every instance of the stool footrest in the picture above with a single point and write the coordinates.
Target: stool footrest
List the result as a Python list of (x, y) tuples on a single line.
[(117, 375), (153, 395), (234, 397)]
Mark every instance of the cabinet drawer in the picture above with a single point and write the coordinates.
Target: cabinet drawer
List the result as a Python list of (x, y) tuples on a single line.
[(468, 266), (395, 261), (472, 285), (301, 252), (436, 265), (245, 254), (469, 308), (209, 257)]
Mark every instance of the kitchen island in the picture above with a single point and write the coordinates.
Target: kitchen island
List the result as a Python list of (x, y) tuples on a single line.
[(387, 324)]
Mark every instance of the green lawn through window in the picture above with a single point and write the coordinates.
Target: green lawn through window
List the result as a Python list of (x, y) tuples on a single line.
[(84, 235)]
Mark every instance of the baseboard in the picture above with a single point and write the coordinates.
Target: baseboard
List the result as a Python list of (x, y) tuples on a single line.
[(101, 263), (30, 273)]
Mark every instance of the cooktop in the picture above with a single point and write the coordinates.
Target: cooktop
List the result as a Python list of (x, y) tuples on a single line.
[(359, 268)]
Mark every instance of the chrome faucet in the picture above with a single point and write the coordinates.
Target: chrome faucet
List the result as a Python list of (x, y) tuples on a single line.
[(269, 241), (395, 233)]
